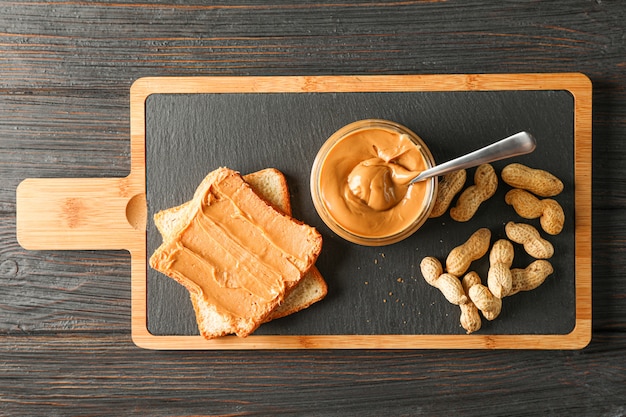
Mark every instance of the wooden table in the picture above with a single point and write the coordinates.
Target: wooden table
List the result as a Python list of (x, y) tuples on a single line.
[(65, 316)]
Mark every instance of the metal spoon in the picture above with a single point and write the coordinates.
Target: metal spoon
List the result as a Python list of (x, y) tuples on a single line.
[(518, 144)]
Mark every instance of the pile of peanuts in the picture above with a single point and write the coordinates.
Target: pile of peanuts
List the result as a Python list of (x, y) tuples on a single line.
[(466, 289)]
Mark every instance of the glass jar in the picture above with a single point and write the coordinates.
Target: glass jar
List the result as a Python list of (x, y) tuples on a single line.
[(358, 222)]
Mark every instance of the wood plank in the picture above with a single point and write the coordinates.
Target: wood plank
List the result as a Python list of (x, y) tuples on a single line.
[(71, 373), (61, 291), (63, 134), (427, 37)]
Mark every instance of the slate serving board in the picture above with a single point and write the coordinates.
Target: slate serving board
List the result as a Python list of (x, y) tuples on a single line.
[(182, 128), (372, 290)]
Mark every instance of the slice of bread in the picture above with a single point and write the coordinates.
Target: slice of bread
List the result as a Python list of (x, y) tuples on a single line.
[(271, 185), (236, 253)]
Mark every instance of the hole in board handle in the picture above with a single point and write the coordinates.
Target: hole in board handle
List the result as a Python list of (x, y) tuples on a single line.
[(137, 211)]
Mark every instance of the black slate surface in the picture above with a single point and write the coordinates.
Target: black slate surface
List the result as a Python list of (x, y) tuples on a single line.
[(370, 290)]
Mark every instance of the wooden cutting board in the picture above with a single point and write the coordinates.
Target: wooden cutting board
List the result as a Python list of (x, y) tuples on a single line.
[(182, 128)]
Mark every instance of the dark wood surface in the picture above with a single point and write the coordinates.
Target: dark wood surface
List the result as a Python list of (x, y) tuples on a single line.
[(65, 72)]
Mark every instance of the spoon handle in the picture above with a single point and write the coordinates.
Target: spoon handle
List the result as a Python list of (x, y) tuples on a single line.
[(518, 144)]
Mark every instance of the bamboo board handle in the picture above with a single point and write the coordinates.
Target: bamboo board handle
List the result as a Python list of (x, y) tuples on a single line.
[(80, 213)]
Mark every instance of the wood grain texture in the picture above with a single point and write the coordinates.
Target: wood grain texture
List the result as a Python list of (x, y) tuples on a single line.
[(65, 71), (94, 375)]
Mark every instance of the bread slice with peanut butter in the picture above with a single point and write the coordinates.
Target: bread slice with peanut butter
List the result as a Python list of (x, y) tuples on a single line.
[(238, 255), (271, 185)]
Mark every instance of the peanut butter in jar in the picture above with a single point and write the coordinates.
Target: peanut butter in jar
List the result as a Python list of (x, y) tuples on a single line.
[(360, 182)]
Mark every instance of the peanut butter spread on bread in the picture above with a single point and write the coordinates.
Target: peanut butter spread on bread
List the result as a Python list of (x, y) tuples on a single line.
[(237, 252)]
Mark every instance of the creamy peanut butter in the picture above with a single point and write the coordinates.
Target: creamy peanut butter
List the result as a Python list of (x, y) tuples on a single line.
[(238, 251), (364, 179), (381, 182)]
